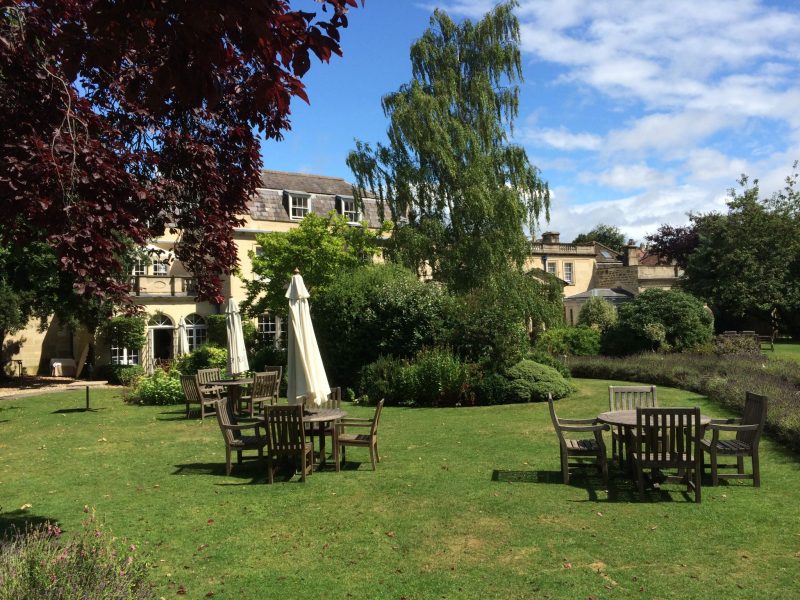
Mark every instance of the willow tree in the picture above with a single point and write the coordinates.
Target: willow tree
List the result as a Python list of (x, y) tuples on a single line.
[(459, 193)]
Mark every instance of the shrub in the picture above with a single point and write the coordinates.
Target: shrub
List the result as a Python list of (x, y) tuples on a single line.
[(125, 332), (723, 379), (204, 357), (432, 378), (545, 358), (491, 388), (216, 330), (666, 320), (570, 341), (121, 374), (160, 388), (598, 313), (42, 563), (737, 344), (532, 381), (380, 310)]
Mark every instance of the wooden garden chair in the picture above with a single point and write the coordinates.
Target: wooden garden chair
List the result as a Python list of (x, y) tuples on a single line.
[(627, 397), (234, 439), (332, 400), (286, 437), (193, 395), (363, 440), (205, 376), (748, 431), (669, 438), (277, 390), (261, 392), (583, 448)]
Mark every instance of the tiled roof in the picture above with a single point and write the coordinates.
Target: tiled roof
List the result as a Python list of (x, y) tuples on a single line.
[(303, 182)]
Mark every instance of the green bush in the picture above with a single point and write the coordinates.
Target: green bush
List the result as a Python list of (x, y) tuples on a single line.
[(158, 389), (598, 313), (545, 358), (268, 355), (532, 381), (380, 310), (491, 388), (41, 562), (385, 378), (216, 330), (124, 332), (570, 341), (204, 357), (659, 320), (121, 374)]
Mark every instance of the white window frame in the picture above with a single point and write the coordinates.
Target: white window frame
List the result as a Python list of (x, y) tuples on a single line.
[(571, 278), (297, 213), (160, 268), (554, 265), (139, 267), (345, 204), (124, 356), (196, 331)]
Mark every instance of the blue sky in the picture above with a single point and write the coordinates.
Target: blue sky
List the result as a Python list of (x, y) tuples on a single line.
[(636, 112)]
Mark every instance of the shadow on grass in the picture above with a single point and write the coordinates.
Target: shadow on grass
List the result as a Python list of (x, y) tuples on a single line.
[(620, 488), (175, 415), (19, 520), (66, 411)]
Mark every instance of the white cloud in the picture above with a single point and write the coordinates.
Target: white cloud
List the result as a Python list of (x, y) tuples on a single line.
[(631, 177), (562, 139)]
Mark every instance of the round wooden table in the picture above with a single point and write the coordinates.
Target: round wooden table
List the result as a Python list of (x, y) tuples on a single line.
[(321, 416), (234, 387)]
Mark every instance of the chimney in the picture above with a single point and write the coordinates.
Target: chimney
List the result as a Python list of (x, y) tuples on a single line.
[(550, 237), (631, 254)]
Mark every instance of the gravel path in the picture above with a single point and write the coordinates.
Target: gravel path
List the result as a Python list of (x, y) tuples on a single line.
[(33, 386)]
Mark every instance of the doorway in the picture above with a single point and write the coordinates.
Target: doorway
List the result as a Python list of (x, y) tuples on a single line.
[(162, 344)]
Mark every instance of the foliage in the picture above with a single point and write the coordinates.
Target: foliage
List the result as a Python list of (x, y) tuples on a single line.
[(448, 168), (204, 357), (376, 310), (608, 235), (43, 562), (217, 330), (490, 323), (160, 388), (11, 317), (126, 375), (722, 378), (433, 377), (119, 122), (570, 341), (322, 248), (268, 355), (666, 320), (597, 312), (125, 332), (737, 344), (491, 388), (747, 262), (545, 358), (530, 381), (674, 243)]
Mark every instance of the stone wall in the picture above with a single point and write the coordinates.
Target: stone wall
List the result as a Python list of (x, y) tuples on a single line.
[(617, 277)]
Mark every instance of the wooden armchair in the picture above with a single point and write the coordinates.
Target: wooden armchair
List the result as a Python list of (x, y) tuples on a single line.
[(286, 437), (193, 395), (261, 392), (363, 440), (748, 431), (234, 439), (627, 397), (204, 376), (669, 438), (279, 370), (579, 449)]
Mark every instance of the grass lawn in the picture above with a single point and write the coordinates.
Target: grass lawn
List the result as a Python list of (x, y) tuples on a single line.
[(787, 350), (466, 503)]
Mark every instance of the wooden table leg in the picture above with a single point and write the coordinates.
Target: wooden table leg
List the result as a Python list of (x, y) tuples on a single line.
[(322, 444)]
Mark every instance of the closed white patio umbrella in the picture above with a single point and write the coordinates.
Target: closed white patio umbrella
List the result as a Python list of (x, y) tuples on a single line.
[(305, 371), (237, 353), (183, 339)]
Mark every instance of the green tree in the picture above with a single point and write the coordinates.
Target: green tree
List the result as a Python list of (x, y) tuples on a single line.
[(322, 248), (608, 235), (597, 312), (448, 167), (659, 320), (747, 262)]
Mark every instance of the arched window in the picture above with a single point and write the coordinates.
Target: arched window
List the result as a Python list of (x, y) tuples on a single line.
[(160, 320), (196, 331)]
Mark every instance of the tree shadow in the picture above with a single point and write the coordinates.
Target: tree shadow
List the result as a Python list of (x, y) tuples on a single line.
[(18, 521), (66, 411)]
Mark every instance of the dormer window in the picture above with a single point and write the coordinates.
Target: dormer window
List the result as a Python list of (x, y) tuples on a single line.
[(349, 209), (299, 205)]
